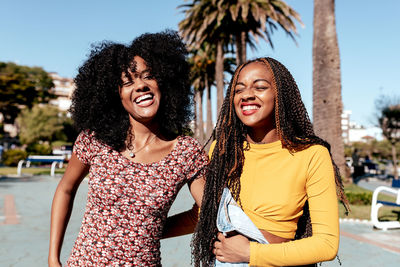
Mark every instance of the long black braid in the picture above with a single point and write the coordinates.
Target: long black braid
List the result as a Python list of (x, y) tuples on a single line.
[(296, 133)]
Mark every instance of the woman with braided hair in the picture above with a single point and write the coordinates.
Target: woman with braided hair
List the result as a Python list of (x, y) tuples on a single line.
[(277, 170)]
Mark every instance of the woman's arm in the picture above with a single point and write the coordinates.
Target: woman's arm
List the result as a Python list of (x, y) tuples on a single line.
[(196, 189), (62, 206), (185, 222), (324, 242)]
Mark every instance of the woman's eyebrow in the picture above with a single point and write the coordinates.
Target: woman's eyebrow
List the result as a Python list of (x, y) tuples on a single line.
[(255, 81), (262, 80)]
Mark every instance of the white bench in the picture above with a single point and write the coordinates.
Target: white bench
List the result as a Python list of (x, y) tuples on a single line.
[(377, 204), (54, 160)]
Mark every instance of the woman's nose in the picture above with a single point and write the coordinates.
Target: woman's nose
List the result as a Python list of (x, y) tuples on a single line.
[(248, 94), (140, 85)]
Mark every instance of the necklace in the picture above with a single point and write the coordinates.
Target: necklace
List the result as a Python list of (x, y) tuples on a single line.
[(131, 148)]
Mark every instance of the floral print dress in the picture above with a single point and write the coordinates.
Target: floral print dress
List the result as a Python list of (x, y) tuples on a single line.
[(128, 202)]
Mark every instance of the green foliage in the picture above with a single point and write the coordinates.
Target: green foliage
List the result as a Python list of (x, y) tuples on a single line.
[(361, 209), (68, 133), (359, 198), (40, 123), (39, 149), (11, 157), (207, 20), (1, 130), (60, 143), (375, 149), (390, 123), (202, 66), (22, 86)]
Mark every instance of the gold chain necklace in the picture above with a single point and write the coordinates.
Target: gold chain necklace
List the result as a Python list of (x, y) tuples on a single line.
[(130, 146)]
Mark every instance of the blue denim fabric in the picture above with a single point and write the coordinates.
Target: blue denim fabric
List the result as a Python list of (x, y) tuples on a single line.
[(232, 218)]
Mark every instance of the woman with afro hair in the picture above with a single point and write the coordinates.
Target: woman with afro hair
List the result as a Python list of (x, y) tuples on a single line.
[(277, 171), (132, 109)]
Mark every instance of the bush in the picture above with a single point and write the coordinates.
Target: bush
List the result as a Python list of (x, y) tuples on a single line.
[(359, 198), (60, 143), (11, 157), (39, 149)]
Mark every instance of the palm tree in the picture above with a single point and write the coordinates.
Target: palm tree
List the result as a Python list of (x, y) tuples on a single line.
[(198, 86), (227, 22), (202, 62), (202, 25), (252, 19), (327, 95)]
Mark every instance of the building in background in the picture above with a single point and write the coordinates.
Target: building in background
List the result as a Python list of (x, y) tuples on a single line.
[(63, 89), (346, 125), (354, 132)]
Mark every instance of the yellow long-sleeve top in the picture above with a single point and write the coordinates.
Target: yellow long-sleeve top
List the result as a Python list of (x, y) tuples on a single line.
[(274, 187)]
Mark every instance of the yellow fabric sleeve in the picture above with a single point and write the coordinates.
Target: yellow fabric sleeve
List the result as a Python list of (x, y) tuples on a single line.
[(323, 244), (274, 187)]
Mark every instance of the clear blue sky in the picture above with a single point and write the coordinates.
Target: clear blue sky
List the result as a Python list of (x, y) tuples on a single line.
[(57, 35)]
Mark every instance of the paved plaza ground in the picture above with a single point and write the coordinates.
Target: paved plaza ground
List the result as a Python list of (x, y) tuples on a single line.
[(25, 218)]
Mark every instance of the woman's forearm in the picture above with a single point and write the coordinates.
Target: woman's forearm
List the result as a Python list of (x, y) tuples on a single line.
[(62, 206), (60, 213), (182, 223)]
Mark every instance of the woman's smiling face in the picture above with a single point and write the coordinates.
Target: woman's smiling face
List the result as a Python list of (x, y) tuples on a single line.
[(139, 93), (254, 98)]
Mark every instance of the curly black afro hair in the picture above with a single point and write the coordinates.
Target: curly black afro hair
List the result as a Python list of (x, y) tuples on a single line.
[(96, 104), (165, 56)]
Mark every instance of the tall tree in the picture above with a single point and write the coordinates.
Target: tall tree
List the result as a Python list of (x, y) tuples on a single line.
[(389, 121), (22, 86), (252, 19), (327, 95), (40, 123), (202, 62), (198, 70), (203, 24), (234, 23)]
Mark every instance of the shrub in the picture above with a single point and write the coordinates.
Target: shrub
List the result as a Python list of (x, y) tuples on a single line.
[(359, 198), (38, 149), (11, 157)]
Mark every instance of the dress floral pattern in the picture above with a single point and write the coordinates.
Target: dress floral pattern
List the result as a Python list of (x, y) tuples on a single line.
[(128, 202)]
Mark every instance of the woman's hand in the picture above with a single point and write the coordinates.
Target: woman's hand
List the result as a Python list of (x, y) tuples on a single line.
[(235, 248)]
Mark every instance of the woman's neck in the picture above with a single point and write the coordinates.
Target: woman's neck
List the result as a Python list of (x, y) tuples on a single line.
[(142, 131), (262, 136)]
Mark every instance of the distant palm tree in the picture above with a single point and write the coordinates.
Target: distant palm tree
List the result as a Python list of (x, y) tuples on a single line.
[(327, 95), (202, 62), (198, 86), (202, 25), (226, 23)]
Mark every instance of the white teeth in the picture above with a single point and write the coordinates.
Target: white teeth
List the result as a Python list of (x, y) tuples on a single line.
[(250, 107), (143, 97)]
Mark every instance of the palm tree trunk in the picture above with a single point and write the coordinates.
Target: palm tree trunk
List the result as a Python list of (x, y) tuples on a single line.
[(209, 122), (394, 156), (241, 53), (209, 112), (327, 97), (199, 125), (219, 75), (200, 119)]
